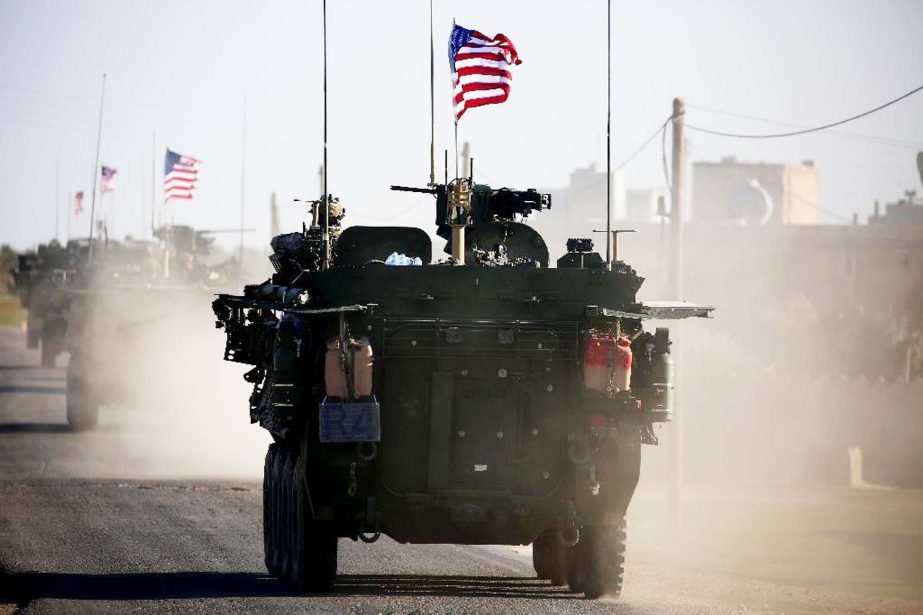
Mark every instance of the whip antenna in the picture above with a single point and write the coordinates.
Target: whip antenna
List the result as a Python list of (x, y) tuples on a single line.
[(326, 195), (609, 235)]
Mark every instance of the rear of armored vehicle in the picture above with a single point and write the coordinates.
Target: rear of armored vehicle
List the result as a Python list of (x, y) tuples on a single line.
[(488, 399), (476, 426), (489, 435)]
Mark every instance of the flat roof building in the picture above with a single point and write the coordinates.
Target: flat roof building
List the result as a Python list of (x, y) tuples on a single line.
[(758, 193)]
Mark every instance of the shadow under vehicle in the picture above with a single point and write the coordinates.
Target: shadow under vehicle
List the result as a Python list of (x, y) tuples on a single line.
[(486, 399), (124, 306)]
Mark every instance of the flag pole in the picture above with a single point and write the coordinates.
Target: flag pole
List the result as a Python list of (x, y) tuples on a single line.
[(453, 109), (99, 136), (609, 134), (432, 101), (243, 184), (57, 199), (325, 196), (141, 190), (153, 178)]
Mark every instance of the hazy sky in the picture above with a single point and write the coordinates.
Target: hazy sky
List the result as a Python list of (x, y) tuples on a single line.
[(182, 70)]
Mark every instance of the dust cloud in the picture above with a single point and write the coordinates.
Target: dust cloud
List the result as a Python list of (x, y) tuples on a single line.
[(175, 409), (814, 349)]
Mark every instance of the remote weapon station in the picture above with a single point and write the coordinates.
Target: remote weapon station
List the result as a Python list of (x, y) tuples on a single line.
[(490, 398)]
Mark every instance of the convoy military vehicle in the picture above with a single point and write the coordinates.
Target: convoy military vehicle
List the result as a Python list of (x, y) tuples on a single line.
[(126, 305), (486, 398), (40, 280)]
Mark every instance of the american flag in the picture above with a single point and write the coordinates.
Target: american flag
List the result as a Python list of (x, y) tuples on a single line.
[(108, 174), (180, 176), (480, 67), (78, 203)]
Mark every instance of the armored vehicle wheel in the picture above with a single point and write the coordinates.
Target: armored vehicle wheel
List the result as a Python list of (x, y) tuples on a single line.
[(549, 557), (268, 544), (82, 407), (296, 548), (48, 355), (598, 562), (314, 550), (51, 348), (33, 334), (275, 513), (52, 341)]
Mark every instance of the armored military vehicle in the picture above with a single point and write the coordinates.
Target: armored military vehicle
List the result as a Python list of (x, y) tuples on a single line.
[(40, 279), (126, 306), (489, 398)]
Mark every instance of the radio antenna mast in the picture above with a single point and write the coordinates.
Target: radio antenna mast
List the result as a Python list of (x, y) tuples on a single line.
[(609, 134), (432, 102), (326, 195), (96, 170)]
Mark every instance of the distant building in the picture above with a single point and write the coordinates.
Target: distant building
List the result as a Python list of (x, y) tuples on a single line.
[(906, 212), (641, 205), (754, 193), (584, 199)]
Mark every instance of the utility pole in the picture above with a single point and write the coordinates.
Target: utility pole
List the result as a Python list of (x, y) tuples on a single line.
[(273, 217), (676, 198), (676, 290)]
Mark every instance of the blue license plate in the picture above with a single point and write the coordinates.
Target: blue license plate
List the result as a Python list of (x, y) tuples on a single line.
[(350, 421)]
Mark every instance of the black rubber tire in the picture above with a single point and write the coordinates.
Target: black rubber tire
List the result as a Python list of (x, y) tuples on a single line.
[(549, 557), (605, 560), (576, 565), (268, 546), (33, 334), (541, 554), (53, 334), (275, 565), (50, 353), (81, 406), (288, 517), (295, 548)]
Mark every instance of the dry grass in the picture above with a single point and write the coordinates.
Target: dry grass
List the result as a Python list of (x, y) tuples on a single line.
[(11, 312)]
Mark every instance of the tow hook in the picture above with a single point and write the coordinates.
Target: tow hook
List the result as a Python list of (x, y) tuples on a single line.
[(366, 451), (594, 484)]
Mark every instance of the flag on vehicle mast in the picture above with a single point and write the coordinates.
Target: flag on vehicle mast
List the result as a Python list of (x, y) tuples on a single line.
[(180, 176), (480, 68), (108, 177)]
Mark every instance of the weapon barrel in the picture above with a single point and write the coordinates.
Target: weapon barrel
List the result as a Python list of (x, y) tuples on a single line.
[(410, 189)]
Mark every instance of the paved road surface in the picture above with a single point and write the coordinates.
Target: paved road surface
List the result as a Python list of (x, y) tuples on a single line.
[(139, 517)]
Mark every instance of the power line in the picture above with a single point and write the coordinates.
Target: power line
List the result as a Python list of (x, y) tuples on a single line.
[(644, 145), (837, 133), (596, 182), (806, 130)]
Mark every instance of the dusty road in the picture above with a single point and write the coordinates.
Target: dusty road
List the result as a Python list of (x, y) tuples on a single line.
[(139, 516)]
